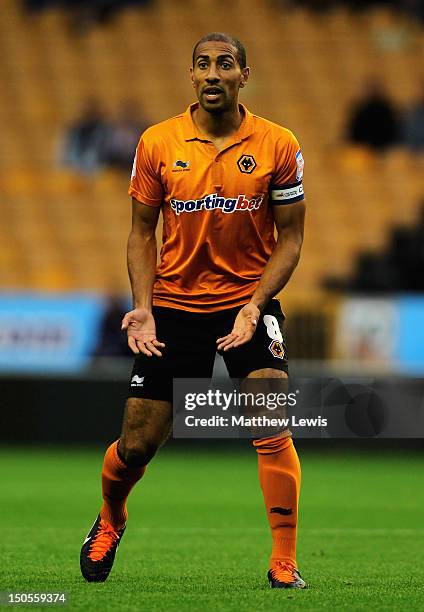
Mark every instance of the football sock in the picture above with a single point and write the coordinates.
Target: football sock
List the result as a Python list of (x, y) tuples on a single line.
[(279, 476), (117, 481)]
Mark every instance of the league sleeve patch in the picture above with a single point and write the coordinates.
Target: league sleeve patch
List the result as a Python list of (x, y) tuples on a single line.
[(300, 163), (287, 194), (134, 167)]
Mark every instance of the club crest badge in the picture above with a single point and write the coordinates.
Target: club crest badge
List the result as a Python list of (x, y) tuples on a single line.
[(246, 164), (277, 349)]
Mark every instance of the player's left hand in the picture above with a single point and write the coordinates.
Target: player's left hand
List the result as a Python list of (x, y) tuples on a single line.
[(243, 329)]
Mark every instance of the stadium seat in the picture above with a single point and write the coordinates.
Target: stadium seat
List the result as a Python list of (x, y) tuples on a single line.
[(48, 73)]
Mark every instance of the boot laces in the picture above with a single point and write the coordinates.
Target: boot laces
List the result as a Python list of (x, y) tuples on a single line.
[(103, 541), (283, 572)]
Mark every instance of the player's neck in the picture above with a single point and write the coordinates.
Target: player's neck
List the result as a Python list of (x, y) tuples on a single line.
[(222, 125)]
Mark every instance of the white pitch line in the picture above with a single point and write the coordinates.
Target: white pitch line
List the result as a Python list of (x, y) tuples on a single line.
[(318, 531), (358, 531)]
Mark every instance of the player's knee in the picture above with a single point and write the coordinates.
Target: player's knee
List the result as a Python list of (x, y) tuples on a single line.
[(268, 373), (137, 453)]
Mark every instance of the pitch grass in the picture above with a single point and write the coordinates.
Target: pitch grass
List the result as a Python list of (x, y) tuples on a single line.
[(197, 538)]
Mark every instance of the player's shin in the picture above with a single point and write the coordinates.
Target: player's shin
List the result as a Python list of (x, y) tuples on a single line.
[(279, 476), (117, 481)]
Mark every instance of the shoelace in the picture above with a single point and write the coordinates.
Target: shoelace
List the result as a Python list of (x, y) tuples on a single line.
[(283, 572), (103, 541)]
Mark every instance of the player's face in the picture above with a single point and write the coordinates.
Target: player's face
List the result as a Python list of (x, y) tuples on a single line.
[(217, 76)]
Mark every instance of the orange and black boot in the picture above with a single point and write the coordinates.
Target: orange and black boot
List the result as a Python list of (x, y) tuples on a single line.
[(98, 551)]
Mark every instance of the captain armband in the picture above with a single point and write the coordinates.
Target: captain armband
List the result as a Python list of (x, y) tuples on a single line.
[(286, 194)]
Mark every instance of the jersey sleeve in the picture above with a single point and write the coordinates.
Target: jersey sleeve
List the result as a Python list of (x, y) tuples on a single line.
[(286, 184), (145, 184)]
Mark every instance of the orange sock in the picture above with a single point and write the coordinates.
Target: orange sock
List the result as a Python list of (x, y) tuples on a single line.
[(279, 475), (117, 481)]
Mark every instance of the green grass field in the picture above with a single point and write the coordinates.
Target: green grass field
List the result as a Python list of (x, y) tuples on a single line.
[(197, 538)]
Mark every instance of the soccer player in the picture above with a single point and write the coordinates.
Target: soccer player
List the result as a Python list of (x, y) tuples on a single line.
[(223, 178)]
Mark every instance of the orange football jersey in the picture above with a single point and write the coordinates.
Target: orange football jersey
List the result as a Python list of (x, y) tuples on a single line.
[(218, 224)]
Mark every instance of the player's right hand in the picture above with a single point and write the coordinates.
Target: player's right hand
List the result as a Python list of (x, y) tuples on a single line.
[(141, 332)]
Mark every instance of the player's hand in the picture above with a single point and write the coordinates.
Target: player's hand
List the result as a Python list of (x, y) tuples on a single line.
[(141, 332), (243, 330)]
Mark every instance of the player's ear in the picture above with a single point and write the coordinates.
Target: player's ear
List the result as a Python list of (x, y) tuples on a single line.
[(244, 76), (191, 75)]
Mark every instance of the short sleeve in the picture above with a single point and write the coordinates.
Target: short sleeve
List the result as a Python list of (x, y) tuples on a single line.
[(286, 185), (146, 185)]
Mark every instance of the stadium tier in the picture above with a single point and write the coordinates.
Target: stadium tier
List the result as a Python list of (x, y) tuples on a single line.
[(66, 231)]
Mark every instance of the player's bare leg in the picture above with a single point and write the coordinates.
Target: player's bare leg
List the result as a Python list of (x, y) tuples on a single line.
[(279, 476), (146, 425)]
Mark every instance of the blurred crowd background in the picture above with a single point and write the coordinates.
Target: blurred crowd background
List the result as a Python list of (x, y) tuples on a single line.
[(81, 80)]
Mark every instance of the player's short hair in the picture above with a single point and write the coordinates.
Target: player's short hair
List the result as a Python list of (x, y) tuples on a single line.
[(221, 37)]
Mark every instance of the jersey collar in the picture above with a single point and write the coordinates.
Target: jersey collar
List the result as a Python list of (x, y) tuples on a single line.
[(192, 133)]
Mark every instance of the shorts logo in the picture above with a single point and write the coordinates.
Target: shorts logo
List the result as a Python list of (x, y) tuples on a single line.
[(246, 164), (213, 202), (137, 381), (181, 166), (277, 349)]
